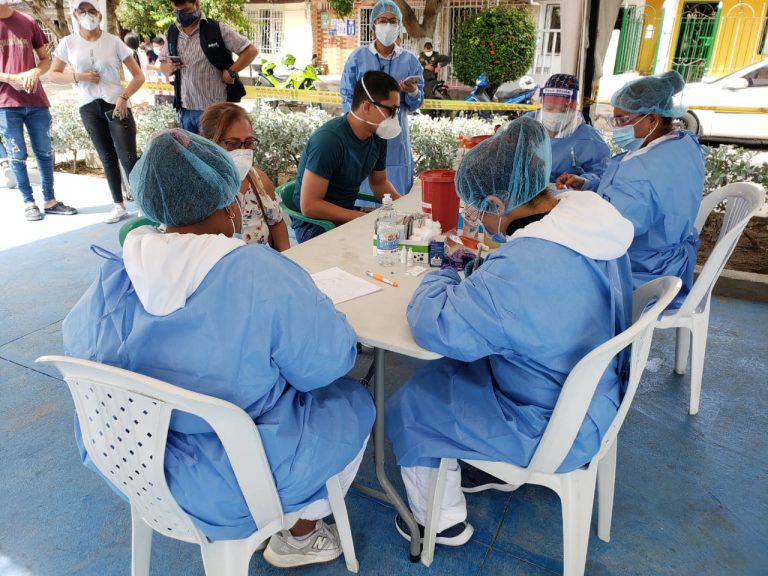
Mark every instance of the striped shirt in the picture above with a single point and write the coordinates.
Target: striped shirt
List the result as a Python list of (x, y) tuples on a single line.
[(201, 83)]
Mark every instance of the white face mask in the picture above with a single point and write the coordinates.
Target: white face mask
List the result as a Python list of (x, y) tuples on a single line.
[(554, 121), (243, 159), (389, 128), (88, 22), (387, 33), (428, 54)]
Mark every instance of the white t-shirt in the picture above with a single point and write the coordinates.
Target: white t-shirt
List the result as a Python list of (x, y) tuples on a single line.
[(104, 56)]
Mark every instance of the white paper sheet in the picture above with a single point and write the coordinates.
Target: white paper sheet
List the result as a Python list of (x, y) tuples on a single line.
[(341, 286)]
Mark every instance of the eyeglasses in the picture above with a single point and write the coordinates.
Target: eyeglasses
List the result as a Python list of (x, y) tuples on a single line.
[(393, 110), (394, 21), (91, 12), (617, 121), (231, 144), (472, 216)]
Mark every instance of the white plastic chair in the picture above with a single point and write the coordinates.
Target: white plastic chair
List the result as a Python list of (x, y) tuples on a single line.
[(743, 200), (124, 420), (576, 489)]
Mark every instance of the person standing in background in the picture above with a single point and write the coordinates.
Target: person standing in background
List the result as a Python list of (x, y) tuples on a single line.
[(385, 54), (95, 59), (23, 102)]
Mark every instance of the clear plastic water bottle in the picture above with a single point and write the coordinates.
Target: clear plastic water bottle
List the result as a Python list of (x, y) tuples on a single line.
[(387, 234)]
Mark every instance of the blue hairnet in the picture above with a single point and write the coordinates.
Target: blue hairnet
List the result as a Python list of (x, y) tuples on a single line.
[(651, 94), (513, 165), (383, 6), (183, 178)]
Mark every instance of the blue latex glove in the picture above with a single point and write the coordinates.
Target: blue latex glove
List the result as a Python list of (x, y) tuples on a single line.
[(472, 265)]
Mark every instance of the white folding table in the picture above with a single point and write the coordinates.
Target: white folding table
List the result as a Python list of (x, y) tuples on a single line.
[(378, 319)]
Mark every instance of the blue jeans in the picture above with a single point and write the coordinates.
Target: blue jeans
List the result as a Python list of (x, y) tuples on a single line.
[(190, 120), (38, 122)]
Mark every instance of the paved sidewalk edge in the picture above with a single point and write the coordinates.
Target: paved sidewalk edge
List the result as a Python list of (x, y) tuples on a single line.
[(742, 285)]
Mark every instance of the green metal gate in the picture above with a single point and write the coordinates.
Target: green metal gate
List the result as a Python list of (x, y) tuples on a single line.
[(629, 39), (695, 39)]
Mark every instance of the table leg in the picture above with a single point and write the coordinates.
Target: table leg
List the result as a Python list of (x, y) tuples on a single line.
[(378, 457)]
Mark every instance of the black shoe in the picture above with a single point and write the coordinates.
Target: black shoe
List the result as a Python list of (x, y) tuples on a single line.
[(475, 480), (456, 535)]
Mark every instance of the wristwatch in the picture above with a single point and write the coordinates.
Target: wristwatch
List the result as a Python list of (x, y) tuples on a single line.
[(232, 74)]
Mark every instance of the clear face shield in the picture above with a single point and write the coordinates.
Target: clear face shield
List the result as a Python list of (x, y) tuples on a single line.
[(560, 111)]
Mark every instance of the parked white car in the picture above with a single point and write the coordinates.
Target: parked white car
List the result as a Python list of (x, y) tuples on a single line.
[(745, 88)]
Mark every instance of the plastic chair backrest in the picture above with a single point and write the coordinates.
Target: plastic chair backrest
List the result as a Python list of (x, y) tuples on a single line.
[(285, 193), (124, 419), (743, 200), (134, 223), (580, 386)]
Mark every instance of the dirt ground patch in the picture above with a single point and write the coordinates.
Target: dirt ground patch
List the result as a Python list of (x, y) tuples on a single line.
[(82, 168), (751, 253)]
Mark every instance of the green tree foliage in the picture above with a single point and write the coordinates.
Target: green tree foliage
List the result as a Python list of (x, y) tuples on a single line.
[(151, 17), (499, 41)]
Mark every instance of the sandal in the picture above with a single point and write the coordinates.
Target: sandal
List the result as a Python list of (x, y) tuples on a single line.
[(61, 208), (32, 213)]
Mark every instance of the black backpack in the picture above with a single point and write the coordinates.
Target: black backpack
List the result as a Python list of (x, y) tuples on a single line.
[(214, 49)]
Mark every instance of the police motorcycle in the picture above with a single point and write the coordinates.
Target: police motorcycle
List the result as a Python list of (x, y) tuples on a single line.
[(520, 92), (297, 79)]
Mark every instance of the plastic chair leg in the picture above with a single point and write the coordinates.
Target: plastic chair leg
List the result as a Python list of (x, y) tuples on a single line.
[(141, 543), (577, 497), (436, 489), (682, 348), (698, 351), (606, 482), (339, 509), (226, 557)]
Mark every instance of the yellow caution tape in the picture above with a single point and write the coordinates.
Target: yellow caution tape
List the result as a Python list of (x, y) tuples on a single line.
[(732, 109), (324, 97)]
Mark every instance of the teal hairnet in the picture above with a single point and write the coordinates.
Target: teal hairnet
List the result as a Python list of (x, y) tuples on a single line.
[(383, 6), (513, 165), (651, 94), (183, 178)]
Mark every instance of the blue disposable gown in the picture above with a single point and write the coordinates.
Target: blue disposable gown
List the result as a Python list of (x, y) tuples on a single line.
[(584, 152), (659, 189), (256, 333), (402, 65), (511, 333)]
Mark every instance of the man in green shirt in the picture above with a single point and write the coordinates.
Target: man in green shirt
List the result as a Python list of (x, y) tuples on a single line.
[(345, 151)]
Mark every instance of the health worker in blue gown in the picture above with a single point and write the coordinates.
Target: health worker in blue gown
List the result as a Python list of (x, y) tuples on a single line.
[(559, 286), (657, 183), (386, 55), (197, 307), (577, 148)]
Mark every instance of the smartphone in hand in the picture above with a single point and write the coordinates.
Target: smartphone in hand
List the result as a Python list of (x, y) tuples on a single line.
[(111, 118), (175, 59), (412, 79)]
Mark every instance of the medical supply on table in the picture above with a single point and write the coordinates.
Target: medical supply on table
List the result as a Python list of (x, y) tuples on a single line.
[(460, 250), (387, 233), (416, 270), (436, 254), (381, 278)]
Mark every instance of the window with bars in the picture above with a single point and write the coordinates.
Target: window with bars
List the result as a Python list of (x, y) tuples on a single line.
[(266, 29)]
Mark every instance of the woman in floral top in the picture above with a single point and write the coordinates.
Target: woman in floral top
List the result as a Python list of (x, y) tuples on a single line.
[(229, 126)]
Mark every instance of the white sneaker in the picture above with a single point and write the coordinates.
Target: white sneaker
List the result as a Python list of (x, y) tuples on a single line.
[(321, 545), (10, 179), (118, 213)]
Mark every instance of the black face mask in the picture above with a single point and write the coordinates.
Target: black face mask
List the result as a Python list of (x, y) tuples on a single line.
[(523, 222), (187, 18)]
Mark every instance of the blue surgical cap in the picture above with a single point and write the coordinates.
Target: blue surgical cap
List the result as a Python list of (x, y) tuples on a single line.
[(383, 6), (651, 94), (513, 165), (183, 178)]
